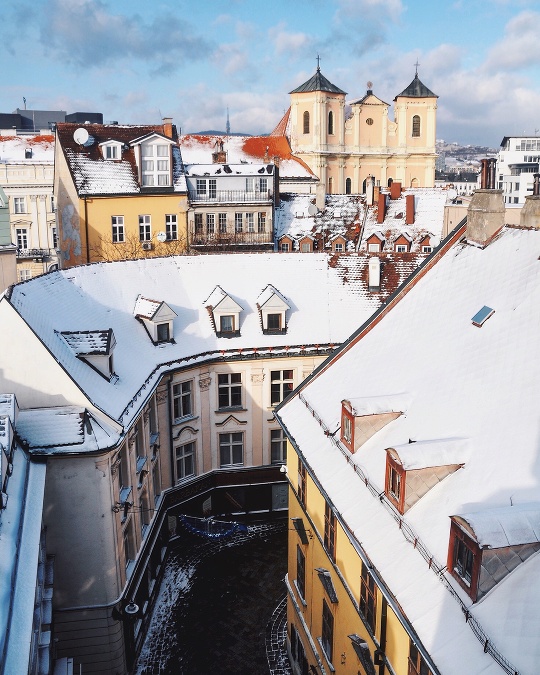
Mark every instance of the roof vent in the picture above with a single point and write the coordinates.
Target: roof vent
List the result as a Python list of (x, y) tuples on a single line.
[(480, 318)]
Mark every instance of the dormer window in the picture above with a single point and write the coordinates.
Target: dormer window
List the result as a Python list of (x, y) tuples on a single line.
[(157, 317), (94, 348), (412, 469), (154, 158), (375, 242), (111, 150), (272, 307), (361, 418), (224, 313), (402, 244)]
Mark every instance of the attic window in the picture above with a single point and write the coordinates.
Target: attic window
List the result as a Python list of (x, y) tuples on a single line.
[(482, 316), (272, 308), (226, 323), (374, 248), (94, 348), (111, 150), (401, 248), (157, 318), (464, 556), (224, 313)]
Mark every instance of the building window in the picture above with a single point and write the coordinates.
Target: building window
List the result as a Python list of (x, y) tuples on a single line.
[(327, 639), (346, 428), (231, 449), (238, 227), (54, 235), (210, 223), (348, 186), (129, 543), (374, 248), (230, 390), (300, 572), (330, 532), (426, 249), (417, 665), (201, 187), (155, 165), (250, 222), (212, 188), (416, 126), (198, 223), (171, 226), (369, 121), (118, 233), (330, 185), (368, 597), (278, 446), (331, 123), (338, 248), (261, 223), (401, 248), (263, 185), (19, 205), (111, 152), (302, 482), (226, 323), (22, 238), (305, 247), (185, 460), (463, 561), (274, 322), (145, 232), (222, 223), (284, 247), (306, 122), (250, 184), (281, 385), (163, 332), (24, 275), (182, 400), (394, 483)]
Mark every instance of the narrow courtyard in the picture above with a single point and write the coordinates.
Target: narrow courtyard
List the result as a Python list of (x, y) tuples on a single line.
[(218, 608)]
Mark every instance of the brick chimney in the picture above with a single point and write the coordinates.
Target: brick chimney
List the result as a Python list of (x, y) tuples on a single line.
[(409, 210), (530, 213), (395, 190), (381, 214), (167, 127)]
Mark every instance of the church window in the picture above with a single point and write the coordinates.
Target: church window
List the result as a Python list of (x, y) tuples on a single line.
[(330, 185), (369, 121), (416, 126), (348, 186), (306, 122), (331, 122)]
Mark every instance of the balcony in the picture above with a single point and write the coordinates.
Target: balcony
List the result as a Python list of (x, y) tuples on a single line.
[(230, 196), (239, 241), (36, 254)]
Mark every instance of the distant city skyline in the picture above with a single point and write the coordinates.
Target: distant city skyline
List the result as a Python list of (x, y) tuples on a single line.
[(137, 62)]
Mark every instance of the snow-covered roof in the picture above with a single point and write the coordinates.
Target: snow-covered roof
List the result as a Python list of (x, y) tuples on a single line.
[(84, 343), (13, 149), (438, 452), (327, 298), (483, 385), (375, 405), (198, 149), (505, 526), (269, 292)]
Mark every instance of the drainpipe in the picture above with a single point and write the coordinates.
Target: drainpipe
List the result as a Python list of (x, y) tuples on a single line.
[(86, 230)]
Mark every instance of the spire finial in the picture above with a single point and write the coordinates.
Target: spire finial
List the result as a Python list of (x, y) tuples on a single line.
[(318, 63), (416, 66)]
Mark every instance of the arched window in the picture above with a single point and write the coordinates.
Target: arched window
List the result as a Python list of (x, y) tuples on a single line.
[(306, 122), (331, 122), (416, 126), (330, 185), (390, 181), (348, 186)]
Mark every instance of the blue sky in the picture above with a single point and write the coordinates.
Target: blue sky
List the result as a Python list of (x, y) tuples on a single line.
[(136, 61)]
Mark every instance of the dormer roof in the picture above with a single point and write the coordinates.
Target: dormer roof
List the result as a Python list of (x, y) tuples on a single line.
[(376, 405), (317, 82), (439, 452), (219, 300), (417, 89), (153, 310), (89, 342), (504, 526), (150, 136), (270, 297)]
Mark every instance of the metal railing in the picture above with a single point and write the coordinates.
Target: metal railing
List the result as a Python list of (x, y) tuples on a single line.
[(33, 252), (236, 196)]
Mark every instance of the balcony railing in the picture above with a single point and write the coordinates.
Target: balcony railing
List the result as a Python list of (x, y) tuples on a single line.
[(33, 253), (234, 196)]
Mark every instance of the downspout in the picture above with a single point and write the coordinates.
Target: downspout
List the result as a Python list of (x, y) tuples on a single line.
[(86, 230)]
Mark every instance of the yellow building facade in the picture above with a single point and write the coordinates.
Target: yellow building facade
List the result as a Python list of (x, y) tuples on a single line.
[(119, 193), (346, 142)]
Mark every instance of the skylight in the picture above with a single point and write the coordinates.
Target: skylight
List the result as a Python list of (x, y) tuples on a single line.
[(482, 316)]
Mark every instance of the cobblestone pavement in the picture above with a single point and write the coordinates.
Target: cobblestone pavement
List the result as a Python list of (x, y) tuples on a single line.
[(220, 606)]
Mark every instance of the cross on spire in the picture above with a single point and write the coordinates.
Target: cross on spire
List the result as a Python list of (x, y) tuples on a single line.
[(318, 62), (416, 66)]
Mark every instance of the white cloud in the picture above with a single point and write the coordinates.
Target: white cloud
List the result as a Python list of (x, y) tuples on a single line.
[(289, 43), (519, 47)]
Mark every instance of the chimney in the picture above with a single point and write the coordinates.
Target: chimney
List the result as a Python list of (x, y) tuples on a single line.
[(266, 158), (320, 197), (409, 210), (492, 172), (485, 216), (395, 190), (370, 185), (219, 156), (530, 213), (374, 273), (382, 208), (167, 127)]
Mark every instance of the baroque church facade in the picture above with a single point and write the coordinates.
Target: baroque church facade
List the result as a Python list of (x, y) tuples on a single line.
[(344, 143)]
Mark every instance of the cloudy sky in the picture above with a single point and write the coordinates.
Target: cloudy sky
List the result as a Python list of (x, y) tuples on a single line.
[(139, 60)]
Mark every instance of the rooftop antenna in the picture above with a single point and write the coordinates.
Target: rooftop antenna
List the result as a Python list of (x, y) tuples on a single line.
[(228, 125), (24, 101)]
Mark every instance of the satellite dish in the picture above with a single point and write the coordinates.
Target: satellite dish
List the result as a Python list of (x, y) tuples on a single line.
[(161, 236), (80, 136), (312, 209), (452, 193)]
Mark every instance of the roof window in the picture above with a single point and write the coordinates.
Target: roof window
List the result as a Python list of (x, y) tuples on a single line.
[(480, 318), (157, 317), (224, 313), (94, 348), (361, 418), (272, 308)]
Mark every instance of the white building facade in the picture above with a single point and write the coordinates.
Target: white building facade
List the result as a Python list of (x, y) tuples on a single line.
[(517, 162)]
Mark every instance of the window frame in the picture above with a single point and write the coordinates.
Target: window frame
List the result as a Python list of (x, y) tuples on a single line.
[(184, 454), (210, 223), (395, 482), (229, 391), (198, 223), (145, 228), (300, 573), (461, 542), (278, 446), (22, 238), (330, 531), (222, 223), (327, 632), (118, 232), (238, 222), (367, 602), (171, 226), (330, 122), (416, 126), (302, 483), (417, 664), (261, 222), (281, 386), (347, 428), (231, 441), (19, 204), (305, 122), (182, 399), (401, 248)]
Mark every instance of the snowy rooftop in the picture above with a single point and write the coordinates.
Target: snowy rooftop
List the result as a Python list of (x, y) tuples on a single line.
[(327, 297), (13, 149), (480, 384), (198, 149)]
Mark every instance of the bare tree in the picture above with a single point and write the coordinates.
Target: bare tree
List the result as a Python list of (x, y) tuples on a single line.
[(103, 249)]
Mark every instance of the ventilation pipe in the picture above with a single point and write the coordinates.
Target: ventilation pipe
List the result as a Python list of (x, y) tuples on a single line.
[(374, 273)]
